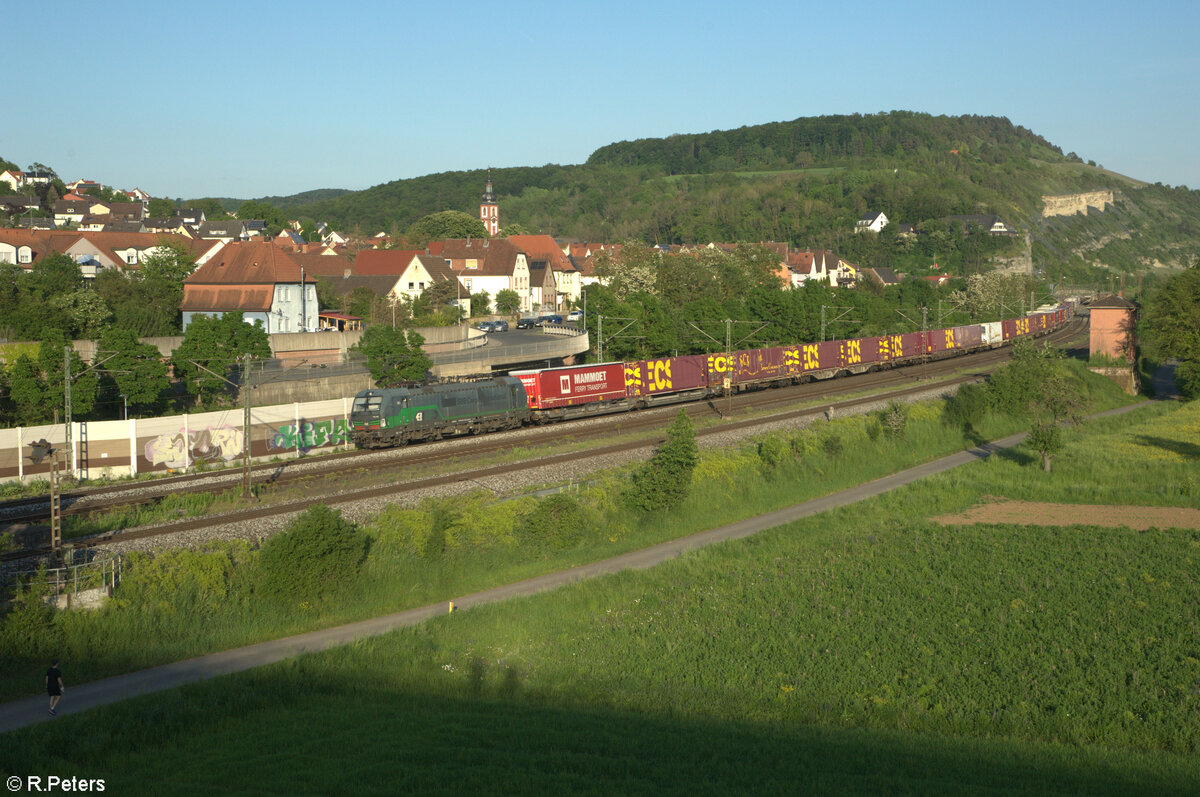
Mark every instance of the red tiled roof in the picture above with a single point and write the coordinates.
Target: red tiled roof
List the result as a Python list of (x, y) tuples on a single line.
[(381, 262), (214, 298), (494, 256), (542, 247), (43, 242), (249, 263), (323, 265)]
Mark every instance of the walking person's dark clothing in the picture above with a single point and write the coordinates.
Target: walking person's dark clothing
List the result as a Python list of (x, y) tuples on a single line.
[(54, 686)]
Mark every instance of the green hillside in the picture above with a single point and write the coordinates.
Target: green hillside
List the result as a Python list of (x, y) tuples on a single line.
[(806, 182)]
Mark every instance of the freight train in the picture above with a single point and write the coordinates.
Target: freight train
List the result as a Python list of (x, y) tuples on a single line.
[(394, 416)]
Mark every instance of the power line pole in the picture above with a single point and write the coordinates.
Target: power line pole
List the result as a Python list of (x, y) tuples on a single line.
[(246, 486), (67, 396), (729, 362)]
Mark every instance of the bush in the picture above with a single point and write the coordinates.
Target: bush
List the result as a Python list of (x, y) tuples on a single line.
[(557, 522), (29, 630), (966, 409), (832, 446), (314, 557), (893, 419), (773, 451), (665, 480)]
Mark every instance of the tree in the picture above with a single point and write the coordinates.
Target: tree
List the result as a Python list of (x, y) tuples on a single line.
[(442, 293), (1171, 327), (508, 301), (218, 344), (275, 218), (160, 208), (211, 207), (55, 275), (134, 369), (514, 229), (85, 310), (394, 356), (37, 384), (664, 481), (1039, 386), (446, 224), (481, 303)]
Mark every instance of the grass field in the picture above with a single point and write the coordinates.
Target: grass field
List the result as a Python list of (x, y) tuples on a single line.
[(186, 603), (864, 650)]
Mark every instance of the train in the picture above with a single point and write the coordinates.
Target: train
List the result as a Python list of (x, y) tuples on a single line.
[(385, 417)]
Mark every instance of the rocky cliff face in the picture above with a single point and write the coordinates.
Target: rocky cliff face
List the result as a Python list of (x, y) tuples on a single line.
[(1019, 264), (1070, 204)]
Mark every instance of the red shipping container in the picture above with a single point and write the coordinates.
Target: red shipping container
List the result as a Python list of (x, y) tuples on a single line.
[(758, 365), (668, 375), (968, 337), (892, 347), (548, 388), (857, 351)]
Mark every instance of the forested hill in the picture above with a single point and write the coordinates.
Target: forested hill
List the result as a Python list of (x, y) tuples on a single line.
[(807, 142), (806, 182)]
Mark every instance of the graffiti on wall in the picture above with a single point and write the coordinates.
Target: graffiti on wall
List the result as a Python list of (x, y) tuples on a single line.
[(308, 435), (180, 449)]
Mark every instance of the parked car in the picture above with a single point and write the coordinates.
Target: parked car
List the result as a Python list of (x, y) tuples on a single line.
[(500, 326), (574, 315), (549, 318), (528, 322), (484, 326)]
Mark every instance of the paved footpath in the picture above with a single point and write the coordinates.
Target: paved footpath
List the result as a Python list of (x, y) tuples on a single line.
[(22, 713)]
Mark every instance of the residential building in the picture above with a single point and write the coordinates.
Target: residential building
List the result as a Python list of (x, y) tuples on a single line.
[(94, 251), (983, 222), (568, 279), (872, 222), (821, 265), (488, 266), (258, 279)]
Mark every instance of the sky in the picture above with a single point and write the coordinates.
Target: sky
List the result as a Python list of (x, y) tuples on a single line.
[(250, 99)]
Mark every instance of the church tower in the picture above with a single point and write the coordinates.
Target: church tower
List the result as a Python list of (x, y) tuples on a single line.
[(489, 211)]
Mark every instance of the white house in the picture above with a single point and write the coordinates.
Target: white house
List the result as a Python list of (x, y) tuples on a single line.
[(258, 279), (488, 265), (874, 222)]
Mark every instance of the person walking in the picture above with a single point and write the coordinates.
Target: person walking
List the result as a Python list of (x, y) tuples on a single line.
[(54, 686)]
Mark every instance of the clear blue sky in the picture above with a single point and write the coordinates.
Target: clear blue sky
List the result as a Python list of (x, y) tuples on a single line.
[(250, 99)]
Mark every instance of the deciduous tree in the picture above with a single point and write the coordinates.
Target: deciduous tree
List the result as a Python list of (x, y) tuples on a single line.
[(394, 356), (134, 369), (446, 224), (1171, 327), (218, 344), (508, 301)]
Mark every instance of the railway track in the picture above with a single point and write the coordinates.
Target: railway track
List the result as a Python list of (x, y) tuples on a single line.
[(394, 463)]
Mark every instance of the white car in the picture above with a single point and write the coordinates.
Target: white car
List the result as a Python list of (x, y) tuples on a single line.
[(575, 315)]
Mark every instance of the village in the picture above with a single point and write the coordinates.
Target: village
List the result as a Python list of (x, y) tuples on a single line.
[(240, 267)]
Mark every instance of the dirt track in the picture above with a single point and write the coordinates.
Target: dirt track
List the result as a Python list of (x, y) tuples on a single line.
[(1030, 513)]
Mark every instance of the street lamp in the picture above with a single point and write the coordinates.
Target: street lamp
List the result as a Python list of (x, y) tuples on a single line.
[(125, 408)]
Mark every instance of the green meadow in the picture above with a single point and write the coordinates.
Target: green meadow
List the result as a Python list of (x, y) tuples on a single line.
[(185, 603), (868, 649)]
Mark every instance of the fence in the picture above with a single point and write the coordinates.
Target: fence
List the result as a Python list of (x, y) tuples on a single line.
[(80, 585)]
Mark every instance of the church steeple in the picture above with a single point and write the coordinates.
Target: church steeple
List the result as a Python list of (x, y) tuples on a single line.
[(489, 210)]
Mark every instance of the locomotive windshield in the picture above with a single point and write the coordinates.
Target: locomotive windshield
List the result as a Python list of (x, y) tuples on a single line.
[(366, 403)]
